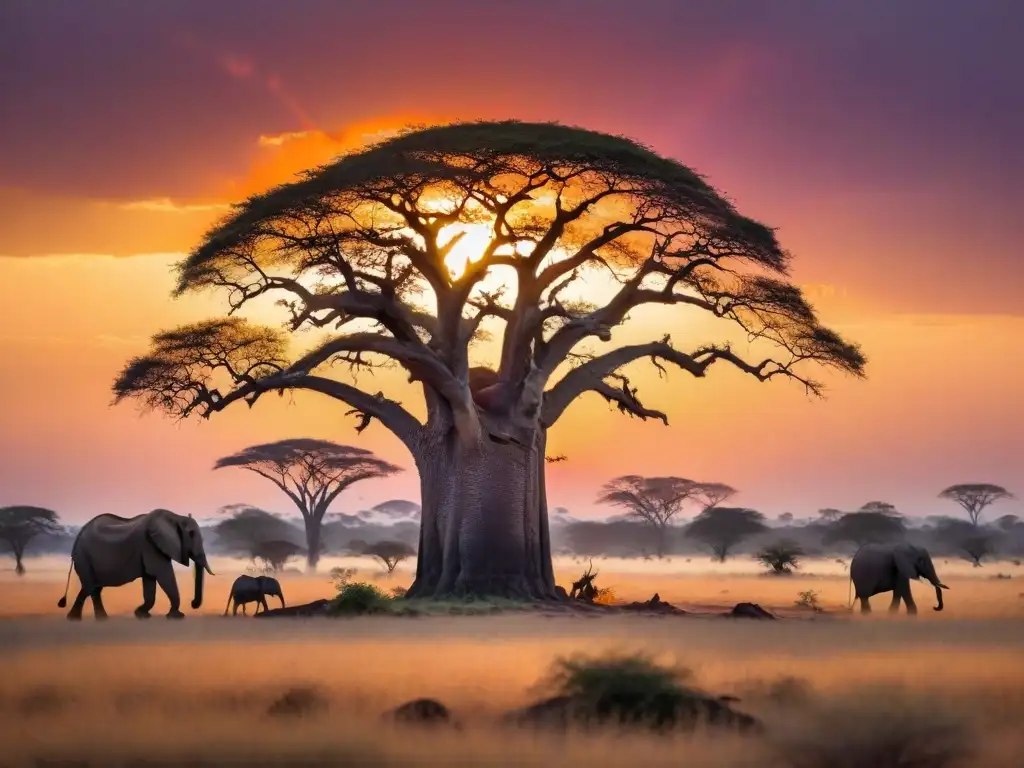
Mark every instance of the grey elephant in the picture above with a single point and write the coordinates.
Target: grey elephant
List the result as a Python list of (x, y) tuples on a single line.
[(111, 551), (253, 589), (889, 568)]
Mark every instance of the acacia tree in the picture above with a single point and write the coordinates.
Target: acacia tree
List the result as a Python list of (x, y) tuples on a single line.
[(657, 500), (722, 528), (389, 553), (974, 497), (971, 541), (366, 251), (865, 527), (312, 472), (20, 524)]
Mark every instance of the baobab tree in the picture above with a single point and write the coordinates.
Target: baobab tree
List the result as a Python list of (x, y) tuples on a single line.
[(974, 497), (657, 500), (312, 473), (411, 251), (20, 524)]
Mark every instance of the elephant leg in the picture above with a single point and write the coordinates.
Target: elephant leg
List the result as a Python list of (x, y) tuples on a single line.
[(894, 606), (865, 606), (908, 598), (234, 610), (148, 597), (75, 614), (243, 610), (97, 604), (165, 578)]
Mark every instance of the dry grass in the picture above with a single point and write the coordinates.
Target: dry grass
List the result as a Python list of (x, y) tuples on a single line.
[(199, 691)]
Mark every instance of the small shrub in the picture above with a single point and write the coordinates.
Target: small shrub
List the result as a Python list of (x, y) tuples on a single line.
[(628, 690), (809, 599), (398, 592), (780, 558), (358, 598), (605, 596)]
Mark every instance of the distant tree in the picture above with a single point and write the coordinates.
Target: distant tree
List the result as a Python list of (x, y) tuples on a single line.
[(970, 541), (881, 507), (780, 557), (624, 538), (713, 494), (653, 500), (785, 518), (388, 253), (259, 535), (398, 509), (1007, 522), (975, 497), (20, 524), (722, 528), (829, 515), (865, 527), (275, 554), (389, 553), (312, 473)]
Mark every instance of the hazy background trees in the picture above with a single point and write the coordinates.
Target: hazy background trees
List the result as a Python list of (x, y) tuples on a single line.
[(20, 525), (312, 473), (656, 501)]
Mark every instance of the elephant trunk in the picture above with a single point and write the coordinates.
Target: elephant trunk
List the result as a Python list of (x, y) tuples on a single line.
[(929, 573), (201, 569)]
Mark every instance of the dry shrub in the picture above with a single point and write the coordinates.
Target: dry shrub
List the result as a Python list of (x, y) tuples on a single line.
[(875, 727)]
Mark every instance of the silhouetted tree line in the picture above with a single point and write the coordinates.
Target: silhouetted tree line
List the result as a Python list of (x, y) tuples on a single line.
[(724, 532)]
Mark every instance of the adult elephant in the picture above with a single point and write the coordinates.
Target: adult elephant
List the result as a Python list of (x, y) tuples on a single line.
[(253, 589), (111, 551), (889, 568)]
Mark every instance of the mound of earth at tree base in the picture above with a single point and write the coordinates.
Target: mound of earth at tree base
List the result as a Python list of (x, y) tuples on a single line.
[(316, 608), (653, 607), (682, 711), (422, 712), (749, 611)]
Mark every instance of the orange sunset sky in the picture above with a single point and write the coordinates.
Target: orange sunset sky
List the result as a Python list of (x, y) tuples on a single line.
[(884, 140)]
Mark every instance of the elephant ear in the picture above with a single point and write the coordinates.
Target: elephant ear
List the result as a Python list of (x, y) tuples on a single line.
[(168, 535), (906, 562)]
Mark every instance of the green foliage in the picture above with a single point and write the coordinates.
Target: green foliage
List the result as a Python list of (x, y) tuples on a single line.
[(624, 688), (358, 598), (781, 557)]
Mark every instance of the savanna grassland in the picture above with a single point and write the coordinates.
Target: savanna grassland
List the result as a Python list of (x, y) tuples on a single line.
[(832, 688)]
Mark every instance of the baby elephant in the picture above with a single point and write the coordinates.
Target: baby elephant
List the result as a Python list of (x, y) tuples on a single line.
[(253, 589)]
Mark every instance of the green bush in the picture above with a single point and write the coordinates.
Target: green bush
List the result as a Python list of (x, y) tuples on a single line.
[(634, 690), (358, 597)]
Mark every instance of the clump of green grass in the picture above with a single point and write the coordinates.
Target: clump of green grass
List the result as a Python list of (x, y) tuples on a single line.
[(629, 690), (358, 598)]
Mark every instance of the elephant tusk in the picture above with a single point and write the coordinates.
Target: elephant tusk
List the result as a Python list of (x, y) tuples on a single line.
[(209, 570)]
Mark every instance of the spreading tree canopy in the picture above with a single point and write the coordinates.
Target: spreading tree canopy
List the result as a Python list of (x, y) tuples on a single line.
[(722, 528), (410, 251), (20, 524), (658, 500), (312, 473), (975, 497)]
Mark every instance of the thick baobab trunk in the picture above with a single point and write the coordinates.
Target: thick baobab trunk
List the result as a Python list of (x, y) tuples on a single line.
[(312, 543), (485, 521)]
